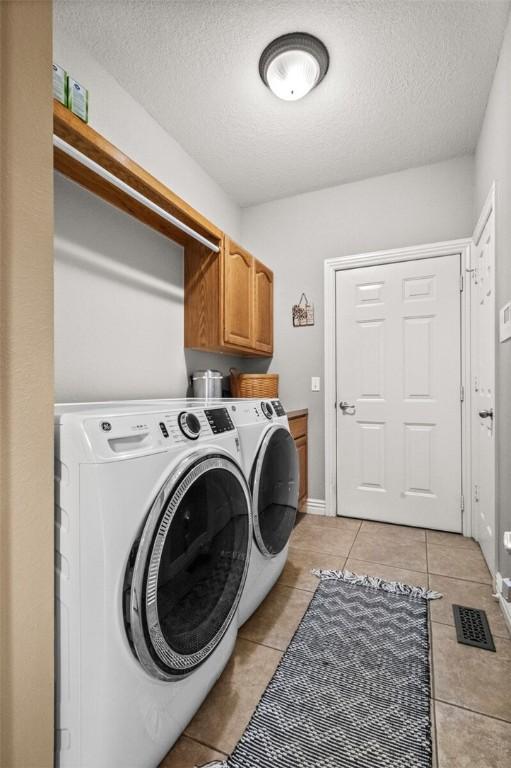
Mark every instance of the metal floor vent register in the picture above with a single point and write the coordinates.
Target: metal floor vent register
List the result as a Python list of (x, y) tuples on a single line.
[(472, 627)]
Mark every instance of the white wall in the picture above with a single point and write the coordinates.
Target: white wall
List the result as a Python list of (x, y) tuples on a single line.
[(493, 163), (119, 284), (295, 235), (124, 122), (118, 303)]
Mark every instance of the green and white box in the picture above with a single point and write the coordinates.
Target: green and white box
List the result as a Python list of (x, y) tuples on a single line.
[(78, 99), (60, 84)]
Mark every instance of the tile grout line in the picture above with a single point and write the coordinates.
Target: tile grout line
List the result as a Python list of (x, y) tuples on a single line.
[(212, 746), (352, 544), (424, 573), (460, 578), (432, 670), (432, 673), (389, 565), (203, 744), (470, 550), (255, 642), (475, 549), (300, 589), (474, 711), (453, 626), (264, 645), (272, 647), (318, 552)]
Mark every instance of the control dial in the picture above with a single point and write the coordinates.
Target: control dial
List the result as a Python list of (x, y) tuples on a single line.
[(189, 425), (267, 409)]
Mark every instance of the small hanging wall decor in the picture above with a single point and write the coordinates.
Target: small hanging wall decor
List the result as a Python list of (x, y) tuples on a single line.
[(303, 312)]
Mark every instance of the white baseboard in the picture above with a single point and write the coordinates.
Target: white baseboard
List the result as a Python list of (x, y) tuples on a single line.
[(504, 605), (316, 507)]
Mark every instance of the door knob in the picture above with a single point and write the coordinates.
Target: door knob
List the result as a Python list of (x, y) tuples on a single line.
[(486, 414), (347, 408)]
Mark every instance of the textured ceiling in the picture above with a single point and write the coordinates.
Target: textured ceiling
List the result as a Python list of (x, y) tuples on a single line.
[(407, 85)]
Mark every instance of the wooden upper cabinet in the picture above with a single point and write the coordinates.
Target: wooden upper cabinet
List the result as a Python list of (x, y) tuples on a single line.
[(263, 308), (228, 301), (238, 295)]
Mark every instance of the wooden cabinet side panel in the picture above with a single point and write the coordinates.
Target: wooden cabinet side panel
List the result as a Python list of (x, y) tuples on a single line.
[(298, 426), (263, 308), (238, 293), (202, 297), (301, 447)]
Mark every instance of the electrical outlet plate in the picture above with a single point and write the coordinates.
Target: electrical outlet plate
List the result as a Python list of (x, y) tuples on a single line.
[(505, 322)]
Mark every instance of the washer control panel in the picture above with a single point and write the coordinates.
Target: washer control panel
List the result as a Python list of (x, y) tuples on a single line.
[(267, 409), (219, 420), (278, 408), (179, 427), (189, 425), (136, 434)]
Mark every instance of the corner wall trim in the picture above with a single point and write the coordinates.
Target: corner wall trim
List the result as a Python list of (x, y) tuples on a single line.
[(504, 605), (316, 507)]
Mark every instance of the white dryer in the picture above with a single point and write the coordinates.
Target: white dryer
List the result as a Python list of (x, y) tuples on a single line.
[(153, 534), (270, 462)]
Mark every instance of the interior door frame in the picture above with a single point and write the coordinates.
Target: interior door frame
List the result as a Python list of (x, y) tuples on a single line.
[(463, 248), (487, 210)]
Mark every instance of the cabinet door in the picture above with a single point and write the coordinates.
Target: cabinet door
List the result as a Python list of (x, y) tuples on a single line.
[(301, 447), (238, 295), (263, 308)]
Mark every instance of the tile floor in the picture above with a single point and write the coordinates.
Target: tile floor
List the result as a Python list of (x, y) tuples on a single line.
[(471, 688)]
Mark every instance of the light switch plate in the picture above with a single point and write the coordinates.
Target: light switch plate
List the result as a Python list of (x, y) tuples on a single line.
[(505, 322), (315, 383)]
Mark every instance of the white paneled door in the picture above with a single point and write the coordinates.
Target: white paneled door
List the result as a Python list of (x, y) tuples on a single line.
[(399, 392), (483, 356)]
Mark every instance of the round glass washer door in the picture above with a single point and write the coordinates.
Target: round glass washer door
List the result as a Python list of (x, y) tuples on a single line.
[(275, 486), (187, 571)]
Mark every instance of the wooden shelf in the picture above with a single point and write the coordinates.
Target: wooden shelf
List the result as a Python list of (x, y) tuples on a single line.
[(89, 142), (227, 309)]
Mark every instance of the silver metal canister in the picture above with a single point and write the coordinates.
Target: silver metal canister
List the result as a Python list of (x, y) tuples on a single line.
[(207, 384)]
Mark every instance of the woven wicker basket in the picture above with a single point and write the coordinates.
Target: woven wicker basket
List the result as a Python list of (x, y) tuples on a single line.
[(254, 384)]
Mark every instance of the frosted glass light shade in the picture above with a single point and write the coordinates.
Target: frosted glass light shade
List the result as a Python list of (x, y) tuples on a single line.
[(292, 74), (293, 64)]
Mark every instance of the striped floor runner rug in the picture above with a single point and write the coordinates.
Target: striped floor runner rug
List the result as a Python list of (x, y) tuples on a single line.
[(353, 688)]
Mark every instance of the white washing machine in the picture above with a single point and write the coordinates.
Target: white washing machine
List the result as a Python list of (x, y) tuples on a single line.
[(153, 535), (270, 462)]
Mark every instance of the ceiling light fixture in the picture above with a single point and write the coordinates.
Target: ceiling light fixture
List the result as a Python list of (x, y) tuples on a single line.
[(293, 64)]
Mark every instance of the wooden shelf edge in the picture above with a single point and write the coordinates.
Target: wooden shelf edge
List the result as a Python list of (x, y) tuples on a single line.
[(249, 354), (89, 142)]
